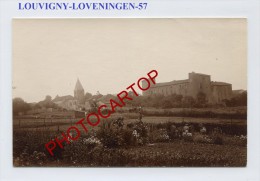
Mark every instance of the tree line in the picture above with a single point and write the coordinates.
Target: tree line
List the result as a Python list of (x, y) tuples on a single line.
[(156, 101)]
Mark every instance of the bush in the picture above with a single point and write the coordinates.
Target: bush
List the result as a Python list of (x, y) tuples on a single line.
[(187, 138), (110, 138), (85, 150), (142, 132), (160, 135), (198, 138), (128, 137), (218, 140)]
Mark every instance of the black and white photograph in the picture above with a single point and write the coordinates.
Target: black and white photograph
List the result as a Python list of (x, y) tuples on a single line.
[(134, 92)]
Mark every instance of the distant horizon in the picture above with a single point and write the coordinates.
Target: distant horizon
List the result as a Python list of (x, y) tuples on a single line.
[(107, 55), (53, 97)]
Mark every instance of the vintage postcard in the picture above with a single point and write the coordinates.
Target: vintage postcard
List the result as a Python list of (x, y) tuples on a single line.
[(166, 92)]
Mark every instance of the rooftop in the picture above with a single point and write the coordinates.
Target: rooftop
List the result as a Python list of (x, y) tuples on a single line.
[(174, 82), (219, 83), (199, 74), (62, 98)]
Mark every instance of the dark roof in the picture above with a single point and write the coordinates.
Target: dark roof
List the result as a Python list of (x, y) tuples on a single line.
[(78, 86), (174, 82), (219, 83), (199, 74), (62, 98)]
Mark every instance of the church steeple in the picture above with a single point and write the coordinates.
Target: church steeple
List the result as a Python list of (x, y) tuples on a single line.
[(79, 92), (78, 86)]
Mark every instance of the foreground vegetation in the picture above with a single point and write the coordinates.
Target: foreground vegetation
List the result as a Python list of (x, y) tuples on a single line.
[(118, 143)]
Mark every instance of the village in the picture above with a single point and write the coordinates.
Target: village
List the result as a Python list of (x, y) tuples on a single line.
[(100, 124)]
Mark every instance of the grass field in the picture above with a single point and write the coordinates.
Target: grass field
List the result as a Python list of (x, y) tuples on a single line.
[(64, 123)]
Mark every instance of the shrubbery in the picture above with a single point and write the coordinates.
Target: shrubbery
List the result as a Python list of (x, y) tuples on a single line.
[(179, 101), (195, 114), (115, 144)]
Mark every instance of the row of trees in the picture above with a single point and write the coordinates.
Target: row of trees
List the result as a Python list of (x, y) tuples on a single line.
[(157, 101), (179, 101), (239, 100), (175, 100), (20, 106), (171, 101)]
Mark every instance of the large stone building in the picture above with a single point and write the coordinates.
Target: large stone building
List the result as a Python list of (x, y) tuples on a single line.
[(215, 92)]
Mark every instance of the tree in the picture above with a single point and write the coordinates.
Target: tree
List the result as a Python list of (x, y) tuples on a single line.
[(242, 99), (48, 98), (19, 105), (166, 103), (201, 98), (47, 103), (188, 101), (88, 95), (93, 105), (239, 100)]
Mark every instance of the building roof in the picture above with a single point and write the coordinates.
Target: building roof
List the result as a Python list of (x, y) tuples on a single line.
[(199, 74), (174, 82), (78, 86), (219, 83), (62, 98)]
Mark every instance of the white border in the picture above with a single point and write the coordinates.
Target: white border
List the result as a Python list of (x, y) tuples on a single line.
[(159, 9)]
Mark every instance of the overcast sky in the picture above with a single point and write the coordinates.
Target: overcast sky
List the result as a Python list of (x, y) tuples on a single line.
[(107, 55)]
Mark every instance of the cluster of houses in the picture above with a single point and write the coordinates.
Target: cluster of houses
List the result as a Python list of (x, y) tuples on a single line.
[(80, 102)]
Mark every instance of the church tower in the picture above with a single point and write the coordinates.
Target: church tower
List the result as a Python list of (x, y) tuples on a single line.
[(79, 92)]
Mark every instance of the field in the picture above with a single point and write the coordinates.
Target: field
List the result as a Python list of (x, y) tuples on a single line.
[(156, 141), (63, 123)]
